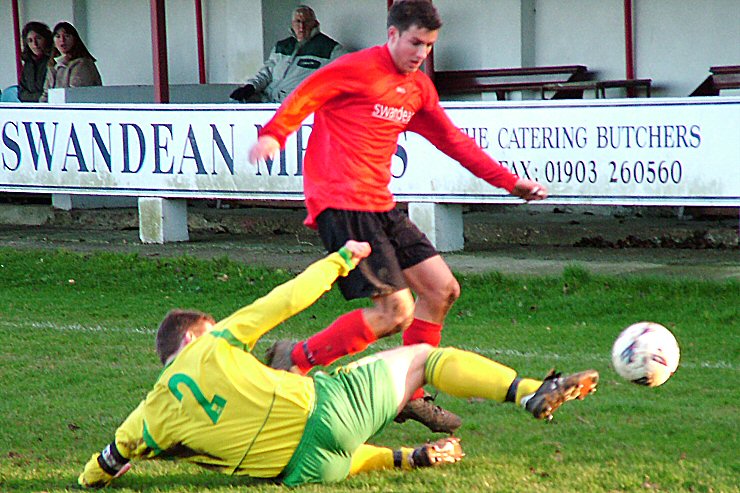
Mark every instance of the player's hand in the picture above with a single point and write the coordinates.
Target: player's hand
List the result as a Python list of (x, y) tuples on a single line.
[(123, 471), (93, 475), (358, 249), (266, 147), (529, 190), (243, 93)]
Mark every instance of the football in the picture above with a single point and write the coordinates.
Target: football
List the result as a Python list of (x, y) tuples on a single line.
[(646, 353)]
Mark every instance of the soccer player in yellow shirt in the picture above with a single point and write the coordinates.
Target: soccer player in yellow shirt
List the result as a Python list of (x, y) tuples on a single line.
[(215, 404)]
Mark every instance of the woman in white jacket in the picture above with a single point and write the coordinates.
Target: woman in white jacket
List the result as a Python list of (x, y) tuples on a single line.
[(71, 64)]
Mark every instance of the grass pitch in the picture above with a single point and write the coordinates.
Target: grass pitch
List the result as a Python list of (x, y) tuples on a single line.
[(77, 355)]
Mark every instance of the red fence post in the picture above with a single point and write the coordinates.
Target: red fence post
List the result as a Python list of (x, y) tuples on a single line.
[(201, 43), (159, 52)]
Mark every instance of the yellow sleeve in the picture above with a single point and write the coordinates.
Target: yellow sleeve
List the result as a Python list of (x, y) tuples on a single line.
[(251, 322), (129, 443), (130, 435)]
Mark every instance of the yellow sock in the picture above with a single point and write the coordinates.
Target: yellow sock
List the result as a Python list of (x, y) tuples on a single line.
[(371, 458), (526, 387), (465, 374)]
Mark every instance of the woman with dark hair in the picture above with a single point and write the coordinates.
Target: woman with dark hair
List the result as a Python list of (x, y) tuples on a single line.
[(71, 64), (37, 42)]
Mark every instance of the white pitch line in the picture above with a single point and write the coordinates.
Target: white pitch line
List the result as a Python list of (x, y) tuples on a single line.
[(76, 327), (492, 353)]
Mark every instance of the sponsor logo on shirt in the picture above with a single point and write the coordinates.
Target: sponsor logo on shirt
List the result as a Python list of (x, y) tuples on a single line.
[(309, 63), (390, 113)]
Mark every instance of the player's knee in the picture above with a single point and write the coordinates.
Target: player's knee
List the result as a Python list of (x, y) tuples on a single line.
[(420, 356), (445, 295), (422, 349), (453, 291)]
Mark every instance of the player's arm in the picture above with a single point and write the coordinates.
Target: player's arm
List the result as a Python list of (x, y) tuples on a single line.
[(309, 96), (434, 124), (114, 460), (252, 321)]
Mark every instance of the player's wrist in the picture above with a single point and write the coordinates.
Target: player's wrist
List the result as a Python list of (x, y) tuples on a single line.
[(346, 254), (111, 460)]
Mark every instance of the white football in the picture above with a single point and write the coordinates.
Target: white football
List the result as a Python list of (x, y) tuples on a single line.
[(646, 353)]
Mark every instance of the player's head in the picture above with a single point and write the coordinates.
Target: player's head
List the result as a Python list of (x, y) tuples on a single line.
[(178, 328), (413, 28), (303, 22), (406, 13)]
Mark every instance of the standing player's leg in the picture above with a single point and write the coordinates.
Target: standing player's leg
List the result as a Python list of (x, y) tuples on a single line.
[(436, 289), (378, 277)]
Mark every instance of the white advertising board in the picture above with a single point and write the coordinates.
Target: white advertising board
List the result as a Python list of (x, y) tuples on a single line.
[(668, 151)]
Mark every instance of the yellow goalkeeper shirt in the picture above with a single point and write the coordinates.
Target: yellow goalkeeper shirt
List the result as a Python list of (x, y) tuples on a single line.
[(216, 405)]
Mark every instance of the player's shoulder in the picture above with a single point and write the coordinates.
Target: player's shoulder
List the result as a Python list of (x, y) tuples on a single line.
[(353, 67), (360, 58)]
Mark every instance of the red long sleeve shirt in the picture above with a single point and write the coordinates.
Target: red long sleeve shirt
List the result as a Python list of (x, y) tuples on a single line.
[(361, 103)]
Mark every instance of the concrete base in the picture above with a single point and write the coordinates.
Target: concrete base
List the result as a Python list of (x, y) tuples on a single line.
[(442, 223), (163, 220), (67, 202), (25, 215)]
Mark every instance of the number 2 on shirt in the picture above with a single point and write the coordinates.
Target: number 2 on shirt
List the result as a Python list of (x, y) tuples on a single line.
[(213, 408)]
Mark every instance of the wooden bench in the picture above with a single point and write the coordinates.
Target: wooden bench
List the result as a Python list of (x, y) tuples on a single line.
[(506, 80), (722, 77), (600, 86)]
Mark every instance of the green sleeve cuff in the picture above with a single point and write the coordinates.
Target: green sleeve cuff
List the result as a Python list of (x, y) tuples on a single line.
[(347, 256)]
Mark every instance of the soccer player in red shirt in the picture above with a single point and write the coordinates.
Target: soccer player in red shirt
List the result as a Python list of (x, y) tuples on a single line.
[(361, 103)]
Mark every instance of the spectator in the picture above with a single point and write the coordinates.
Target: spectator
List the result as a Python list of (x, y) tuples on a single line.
[(71, 64), (37, 43), (291, 60)]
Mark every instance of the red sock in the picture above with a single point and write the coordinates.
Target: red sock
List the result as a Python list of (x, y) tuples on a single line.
[(349, 334), (421, 331)]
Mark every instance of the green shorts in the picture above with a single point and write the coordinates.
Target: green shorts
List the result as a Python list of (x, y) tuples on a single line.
[(353, 403)]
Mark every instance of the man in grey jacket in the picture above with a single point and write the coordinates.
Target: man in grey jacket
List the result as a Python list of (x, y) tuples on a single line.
[(291, 60)]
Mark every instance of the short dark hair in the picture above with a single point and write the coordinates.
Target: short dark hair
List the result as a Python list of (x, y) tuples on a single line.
[(421, 13), (42, 30), (173, 328)]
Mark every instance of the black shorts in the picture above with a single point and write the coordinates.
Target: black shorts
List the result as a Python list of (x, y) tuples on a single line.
[(396, 242)]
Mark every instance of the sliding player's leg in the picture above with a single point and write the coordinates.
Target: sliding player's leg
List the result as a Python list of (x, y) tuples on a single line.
[(466, 374), (367, 458)]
